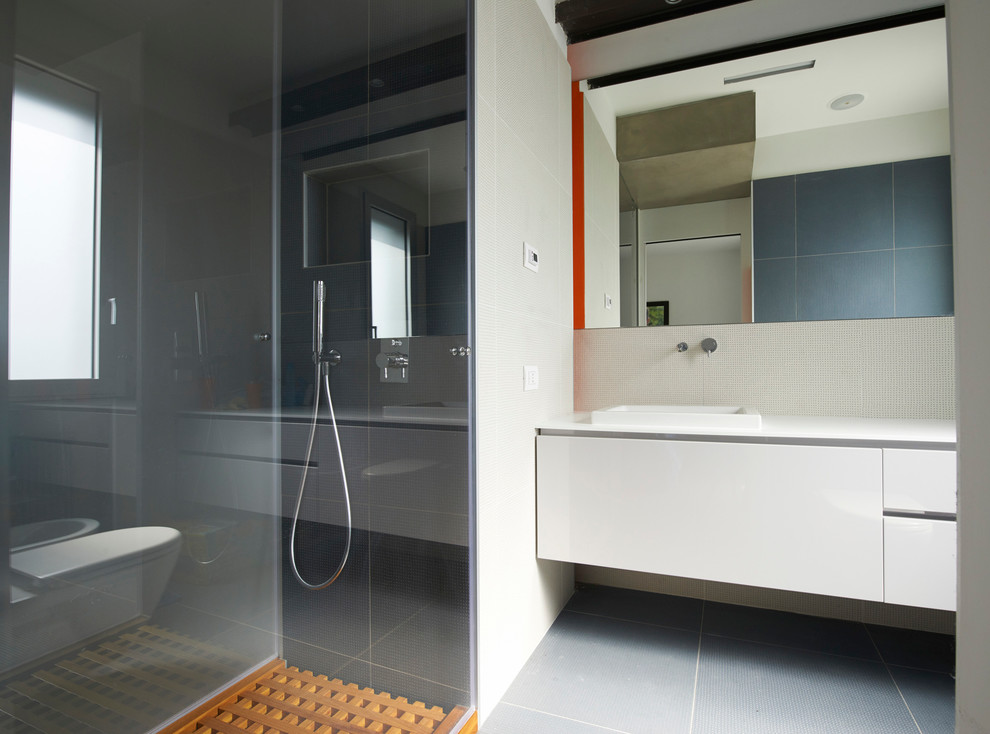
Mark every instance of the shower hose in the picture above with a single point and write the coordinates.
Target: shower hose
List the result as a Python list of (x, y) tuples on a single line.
[(322, 371)]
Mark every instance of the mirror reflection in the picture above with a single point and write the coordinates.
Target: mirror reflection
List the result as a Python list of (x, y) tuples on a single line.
[(825, 165)]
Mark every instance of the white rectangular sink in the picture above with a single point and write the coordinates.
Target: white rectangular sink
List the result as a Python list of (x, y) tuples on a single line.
[(666, 417)]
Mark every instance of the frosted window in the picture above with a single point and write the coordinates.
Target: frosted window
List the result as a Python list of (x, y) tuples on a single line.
[(53, 228), (389, 275)]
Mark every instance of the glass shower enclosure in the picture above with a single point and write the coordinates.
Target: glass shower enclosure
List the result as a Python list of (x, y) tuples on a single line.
[(180, 177)]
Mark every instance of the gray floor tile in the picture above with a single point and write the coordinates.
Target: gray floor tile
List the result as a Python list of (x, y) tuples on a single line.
[(430, 645), (913, 649), (611, 673), (415, 688), (750, 688), (800, 631), (931, 697), (509, 719), (638, 606)]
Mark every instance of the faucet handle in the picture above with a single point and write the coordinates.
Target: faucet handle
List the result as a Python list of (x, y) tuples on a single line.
[(709, 345)]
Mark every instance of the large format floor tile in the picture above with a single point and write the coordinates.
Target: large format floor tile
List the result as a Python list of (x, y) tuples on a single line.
[(509, 719), (748, 687), (611, 673), (800, 631), (627, 662)]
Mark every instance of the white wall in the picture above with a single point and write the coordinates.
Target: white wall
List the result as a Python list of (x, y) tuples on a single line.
[(523, 179), (709, 219), (702, 284), (601, 224), (969, 67), (921, 135)]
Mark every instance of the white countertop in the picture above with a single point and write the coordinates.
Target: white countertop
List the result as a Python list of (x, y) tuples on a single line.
[(781, 428)]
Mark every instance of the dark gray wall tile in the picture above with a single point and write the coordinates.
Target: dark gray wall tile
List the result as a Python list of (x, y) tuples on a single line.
[(923, 278), (846, 210), (852, 286), (773, 217), (774, 295), (922, 202)]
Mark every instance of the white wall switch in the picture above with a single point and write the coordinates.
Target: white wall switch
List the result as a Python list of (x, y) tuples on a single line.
[(531, 375), (608, 302), (532, 260)]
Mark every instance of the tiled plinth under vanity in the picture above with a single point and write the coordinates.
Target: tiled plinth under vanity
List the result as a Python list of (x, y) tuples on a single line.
[(851, 509)]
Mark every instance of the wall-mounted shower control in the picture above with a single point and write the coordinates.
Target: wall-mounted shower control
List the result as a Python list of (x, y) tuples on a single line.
[(394, 366), (460, 351)]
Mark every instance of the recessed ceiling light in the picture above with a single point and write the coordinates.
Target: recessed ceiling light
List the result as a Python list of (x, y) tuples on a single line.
[(376, 83), (846, 101), (772, 71), (673, 2)]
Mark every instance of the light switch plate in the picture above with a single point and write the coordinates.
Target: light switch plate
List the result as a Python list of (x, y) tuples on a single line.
[(531, 377), (532, 257)]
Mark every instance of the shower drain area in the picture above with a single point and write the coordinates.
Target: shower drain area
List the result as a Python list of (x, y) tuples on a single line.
[(130, 680), (291, 701)]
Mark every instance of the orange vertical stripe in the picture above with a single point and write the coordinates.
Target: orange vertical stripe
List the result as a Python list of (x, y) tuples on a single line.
[(577, 195)]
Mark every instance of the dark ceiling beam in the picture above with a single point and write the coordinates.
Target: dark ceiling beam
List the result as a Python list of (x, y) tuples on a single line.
[(583, 20), (778, 44), (404, 72)]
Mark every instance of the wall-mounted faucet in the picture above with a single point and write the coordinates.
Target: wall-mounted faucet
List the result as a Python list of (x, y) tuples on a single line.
[(682, 347), (709, 345)]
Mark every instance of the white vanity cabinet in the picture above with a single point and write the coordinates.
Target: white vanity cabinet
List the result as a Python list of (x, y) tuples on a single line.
[(919, 526), (855, 508), (795, 517)]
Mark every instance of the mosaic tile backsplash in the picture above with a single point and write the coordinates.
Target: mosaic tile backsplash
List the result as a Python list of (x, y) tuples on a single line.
[(874, 368)]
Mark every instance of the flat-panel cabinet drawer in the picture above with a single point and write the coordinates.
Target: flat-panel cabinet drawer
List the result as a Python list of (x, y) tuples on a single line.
[(800, 518), (919, 563), (916, 480)]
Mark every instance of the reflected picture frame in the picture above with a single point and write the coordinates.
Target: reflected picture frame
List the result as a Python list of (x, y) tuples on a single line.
[(657, 313)]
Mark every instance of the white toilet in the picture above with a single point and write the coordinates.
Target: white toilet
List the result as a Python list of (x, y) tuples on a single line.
[(69, 590)]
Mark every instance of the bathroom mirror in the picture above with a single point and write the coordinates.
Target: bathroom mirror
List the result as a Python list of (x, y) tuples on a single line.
[(377, 212), (846, 213)]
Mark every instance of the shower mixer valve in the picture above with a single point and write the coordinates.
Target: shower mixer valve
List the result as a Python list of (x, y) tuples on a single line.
[(395, 361)]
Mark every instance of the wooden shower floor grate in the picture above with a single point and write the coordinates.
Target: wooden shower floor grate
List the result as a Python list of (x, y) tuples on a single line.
[(290, 701), (124, 682)]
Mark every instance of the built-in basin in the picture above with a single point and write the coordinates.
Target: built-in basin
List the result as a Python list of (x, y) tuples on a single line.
[(666, 417)]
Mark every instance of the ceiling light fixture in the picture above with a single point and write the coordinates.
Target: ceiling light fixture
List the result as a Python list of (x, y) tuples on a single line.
[(846, 101), (773, 71)]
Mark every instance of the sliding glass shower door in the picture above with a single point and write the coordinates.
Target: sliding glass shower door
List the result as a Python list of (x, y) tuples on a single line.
[(177, 175), (140, 487)]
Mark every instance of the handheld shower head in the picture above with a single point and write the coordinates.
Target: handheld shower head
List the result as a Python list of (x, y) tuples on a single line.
[(319, 299)]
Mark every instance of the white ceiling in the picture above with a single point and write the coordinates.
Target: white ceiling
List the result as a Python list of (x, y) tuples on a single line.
[(900, 71)]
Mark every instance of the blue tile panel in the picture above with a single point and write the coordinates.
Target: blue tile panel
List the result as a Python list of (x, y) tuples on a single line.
[(846, 210), (857, 285), (922, 203), (773, 218), (774, 294), (923, 278), (846, 226)]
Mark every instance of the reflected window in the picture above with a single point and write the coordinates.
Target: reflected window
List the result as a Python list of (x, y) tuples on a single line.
[(54, 227), (390, 307)]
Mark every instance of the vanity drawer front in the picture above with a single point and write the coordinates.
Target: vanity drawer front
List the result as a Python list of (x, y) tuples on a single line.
[(919, 562), (801, 518), (918, 480)]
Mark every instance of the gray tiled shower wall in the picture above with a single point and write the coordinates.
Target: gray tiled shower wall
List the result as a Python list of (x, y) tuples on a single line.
[(865, 242)]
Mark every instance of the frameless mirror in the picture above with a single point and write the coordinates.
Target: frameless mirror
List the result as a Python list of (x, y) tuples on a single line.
[(378, 212), (845, 211)]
